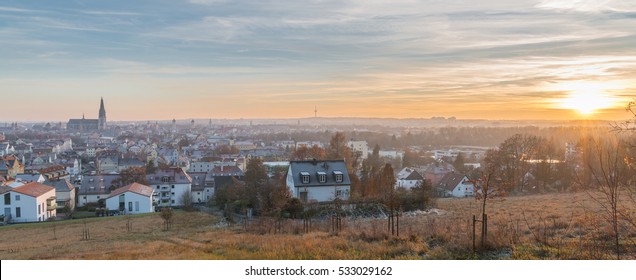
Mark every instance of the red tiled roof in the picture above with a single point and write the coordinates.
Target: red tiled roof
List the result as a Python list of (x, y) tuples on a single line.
[(135, 188), (33, 189)]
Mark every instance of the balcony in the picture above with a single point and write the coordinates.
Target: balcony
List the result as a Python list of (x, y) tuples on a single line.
[(51, 207)]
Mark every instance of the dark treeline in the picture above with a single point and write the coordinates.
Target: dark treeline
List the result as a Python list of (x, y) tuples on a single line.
[(444, 137)]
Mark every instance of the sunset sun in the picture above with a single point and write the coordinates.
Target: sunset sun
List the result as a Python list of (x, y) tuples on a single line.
[(587, 98), (586, 103)]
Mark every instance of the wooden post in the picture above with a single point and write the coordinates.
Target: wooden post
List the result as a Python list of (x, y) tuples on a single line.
[(397, 228), (474, 222)]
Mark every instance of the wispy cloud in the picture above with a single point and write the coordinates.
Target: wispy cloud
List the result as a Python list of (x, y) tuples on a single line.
[(411, 57)]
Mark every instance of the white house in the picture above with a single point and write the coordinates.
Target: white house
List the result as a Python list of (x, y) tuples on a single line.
[(172, 185), (318, 180), (455, 185), (33, 202), (408, 178), (132, 199)]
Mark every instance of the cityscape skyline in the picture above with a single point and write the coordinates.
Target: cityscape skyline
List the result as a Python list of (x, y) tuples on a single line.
[(202, 59)]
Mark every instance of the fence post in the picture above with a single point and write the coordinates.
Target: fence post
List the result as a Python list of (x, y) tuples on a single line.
[(474, 222)]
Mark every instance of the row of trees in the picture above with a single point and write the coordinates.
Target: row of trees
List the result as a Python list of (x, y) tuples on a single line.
[(269, 196)]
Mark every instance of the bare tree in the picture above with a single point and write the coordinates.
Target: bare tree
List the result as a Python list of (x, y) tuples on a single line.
[(611, 176)]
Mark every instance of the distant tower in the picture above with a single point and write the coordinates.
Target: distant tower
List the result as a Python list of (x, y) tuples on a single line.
[(315, 111), (174, 125), (102, 115), (192, 124)]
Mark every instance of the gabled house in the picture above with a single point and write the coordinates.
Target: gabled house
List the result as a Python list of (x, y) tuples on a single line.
[(64, 192), (132, 199), (408, 178), (93, 188), (10, 166), (455, 185), (33, 202), (201, 192), (318, 180), (172, 185), (28, 178)]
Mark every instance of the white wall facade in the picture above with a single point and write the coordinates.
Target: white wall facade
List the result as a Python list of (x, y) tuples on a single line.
[(29, 205), (171, 194), (83, 199), (464, 189), (134, 203), (407, 184)]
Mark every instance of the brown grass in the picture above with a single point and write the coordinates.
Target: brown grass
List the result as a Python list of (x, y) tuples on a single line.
[(562, 226)]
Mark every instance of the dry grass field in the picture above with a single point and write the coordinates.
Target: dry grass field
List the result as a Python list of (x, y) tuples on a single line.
[(558, 226)]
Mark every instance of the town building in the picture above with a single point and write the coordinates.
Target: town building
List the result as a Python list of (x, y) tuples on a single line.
[(318, 180), (85, 124)]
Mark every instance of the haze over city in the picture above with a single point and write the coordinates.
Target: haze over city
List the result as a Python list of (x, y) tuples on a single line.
[(529, 59)]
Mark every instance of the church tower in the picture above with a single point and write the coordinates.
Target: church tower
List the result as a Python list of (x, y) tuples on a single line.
[(102, 115)]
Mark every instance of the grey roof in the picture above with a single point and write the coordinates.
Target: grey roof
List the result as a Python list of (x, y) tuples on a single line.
[(314, 166), (98, 184), (198, 180), (226, 171), (63, 185), (450, 181), (175, 176), (4, 189), (29, 177), (414, 176)]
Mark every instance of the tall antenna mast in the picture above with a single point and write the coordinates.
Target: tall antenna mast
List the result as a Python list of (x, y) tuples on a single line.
[(315, 111)]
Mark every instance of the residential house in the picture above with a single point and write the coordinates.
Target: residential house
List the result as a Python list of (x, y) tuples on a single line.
[(172, 186), (33, 202), (408, 178), (455, 185), (223, 176), (436, 171), (10, 166), (28, 178), (64, 192), (93, 188), (318, 180), (108, 164), (132, 199), (201, 192)]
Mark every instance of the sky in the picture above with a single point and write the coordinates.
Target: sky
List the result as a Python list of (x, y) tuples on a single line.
[(160, 59)]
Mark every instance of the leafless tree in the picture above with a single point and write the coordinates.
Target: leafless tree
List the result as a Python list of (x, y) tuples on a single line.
[(611, 176)]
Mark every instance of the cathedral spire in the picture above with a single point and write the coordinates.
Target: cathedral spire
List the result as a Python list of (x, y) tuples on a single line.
[(102, 115)]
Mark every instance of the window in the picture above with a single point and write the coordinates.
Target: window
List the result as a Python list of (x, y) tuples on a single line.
[(18, 212), (130, 206), (304, 177), (137, 206), (17, 197), (173, 186), (7, 199), (39, 210), (337, 175), (303, 196), (173, 201), (157, 186), (322, 177)]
